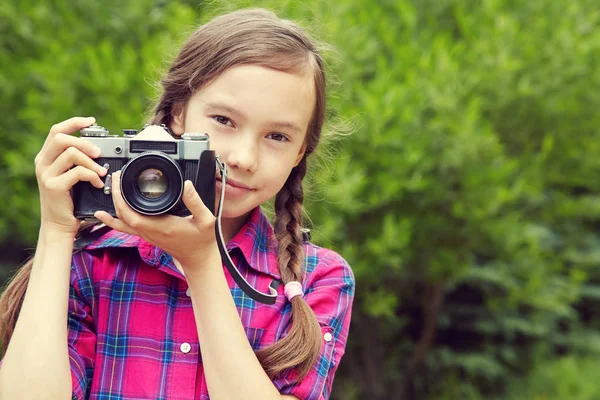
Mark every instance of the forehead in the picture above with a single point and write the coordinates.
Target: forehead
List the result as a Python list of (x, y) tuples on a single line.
[(263, 93)]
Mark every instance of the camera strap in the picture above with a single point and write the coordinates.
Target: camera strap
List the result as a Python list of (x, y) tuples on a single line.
[(235, 273)]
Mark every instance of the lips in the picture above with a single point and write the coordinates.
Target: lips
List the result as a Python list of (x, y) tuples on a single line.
[(235, 184)]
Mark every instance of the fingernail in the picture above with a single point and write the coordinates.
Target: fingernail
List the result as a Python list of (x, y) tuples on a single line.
[(102, 170), (188, 187)]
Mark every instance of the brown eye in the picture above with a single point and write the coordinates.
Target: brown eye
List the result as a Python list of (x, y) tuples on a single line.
[(222, 120), (278, 137)]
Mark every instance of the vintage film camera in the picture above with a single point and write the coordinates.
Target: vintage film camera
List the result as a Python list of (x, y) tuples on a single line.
[(154, 165)]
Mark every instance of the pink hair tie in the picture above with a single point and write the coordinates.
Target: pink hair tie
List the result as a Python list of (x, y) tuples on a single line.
[(293, 289)]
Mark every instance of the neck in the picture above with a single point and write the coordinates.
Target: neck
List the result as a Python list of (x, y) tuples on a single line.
[(231, 226)]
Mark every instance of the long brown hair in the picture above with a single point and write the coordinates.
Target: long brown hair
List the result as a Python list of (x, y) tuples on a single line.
[(251, 37)]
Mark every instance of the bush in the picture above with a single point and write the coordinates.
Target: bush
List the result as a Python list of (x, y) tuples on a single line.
[(467, 200), (569, 377)]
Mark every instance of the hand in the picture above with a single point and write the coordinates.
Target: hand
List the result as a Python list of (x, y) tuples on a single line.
[(187, 239), (55, 173)]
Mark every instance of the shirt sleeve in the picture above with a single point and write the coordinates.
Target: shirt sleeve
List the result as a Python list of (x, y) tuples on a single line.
[(82, 332), (330, 294)]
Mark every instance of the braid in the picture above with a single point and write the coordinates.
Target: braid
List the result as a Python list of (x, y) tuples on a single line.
[(288, 209), (301, 347)]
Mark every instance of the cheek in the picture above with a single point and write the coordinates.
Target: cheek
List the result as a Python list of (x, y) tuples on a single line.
[(276, 170), (218, 145)]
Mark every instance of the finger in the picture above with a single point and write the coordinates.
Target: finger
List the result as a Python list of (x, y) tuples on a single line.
[(194, 203), (72, 125), (122, 209), (117, 197), (60, 143), (66, 181), (67, 127), (115, 223), (72, 156)]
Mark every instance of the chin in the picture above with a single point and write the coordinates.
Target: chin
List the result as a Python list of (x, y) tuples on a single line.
[(237, 212)]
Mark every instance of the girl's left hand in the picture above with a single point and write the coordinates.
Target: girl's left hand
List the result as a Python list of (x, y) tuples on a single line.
[(187, 239)]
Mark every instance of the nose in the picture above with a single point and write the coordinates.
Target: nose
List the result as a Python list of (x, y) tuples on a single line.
[(243, 153)]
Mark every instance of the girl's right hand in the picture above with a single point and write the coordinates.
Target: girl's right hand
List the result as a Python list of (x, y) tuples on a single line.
[(56, 175)]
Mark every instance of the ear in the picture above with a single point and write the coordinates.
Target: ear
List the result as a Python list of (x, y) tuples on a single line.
[(177, 125), (300, 154)]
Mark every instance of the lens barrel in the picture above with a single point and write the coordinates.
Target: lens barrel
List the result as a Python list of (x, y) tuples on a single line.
[(152, 183)]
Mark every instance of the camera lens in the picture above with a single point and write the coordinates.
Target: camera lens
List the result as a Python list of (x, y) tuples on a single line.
[(152, 183)]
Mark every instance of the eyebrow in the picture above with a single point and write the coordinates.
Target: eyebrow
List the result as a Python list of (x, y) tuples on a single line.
[(288, 125), (230, 110), (226, 108)]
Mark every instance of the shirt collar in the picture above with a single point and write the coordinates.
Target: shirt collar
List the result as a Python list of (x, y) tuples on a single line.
[(255, 240)]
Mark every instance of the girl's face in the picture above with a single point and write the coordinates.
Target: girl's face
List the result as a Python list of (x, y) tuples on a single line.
[(257, 119)]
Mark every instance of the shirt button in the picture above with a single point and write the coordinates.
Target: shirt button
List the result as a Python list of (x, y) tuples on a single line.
[(187, 292), (185, 348), (327, 337)]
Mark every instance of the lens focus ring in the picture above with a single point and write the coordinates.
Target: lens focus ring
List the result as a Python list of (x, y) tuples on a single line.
[(152, 183)]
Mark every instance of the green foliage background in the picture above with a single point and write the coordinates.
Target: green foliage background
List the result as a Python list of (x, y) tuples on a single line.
[(466, 199)]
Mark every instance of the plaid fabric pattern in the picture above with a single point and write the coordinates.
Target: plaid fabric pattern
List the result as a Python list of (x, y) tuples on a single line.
[(132, 333)]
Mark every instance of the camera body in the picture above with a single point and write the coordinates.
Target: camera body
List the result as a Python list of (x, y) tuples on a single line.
[(153, 165)]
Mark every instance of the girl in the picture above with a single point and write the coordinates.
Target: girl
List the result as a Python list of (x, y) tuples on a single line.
[(152, 314)]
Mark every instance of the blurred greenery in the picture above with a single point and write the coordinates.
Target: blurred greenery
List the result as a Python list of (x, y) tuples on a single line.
[(467, 200)]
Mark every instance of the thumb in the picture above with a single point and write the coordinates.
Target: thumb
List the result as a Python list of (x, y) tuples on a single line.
[(192, 201)]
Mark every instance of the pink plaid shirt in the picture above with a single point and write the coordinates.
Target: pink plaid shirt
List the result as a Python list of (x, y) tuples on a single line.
[(132, 333)]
